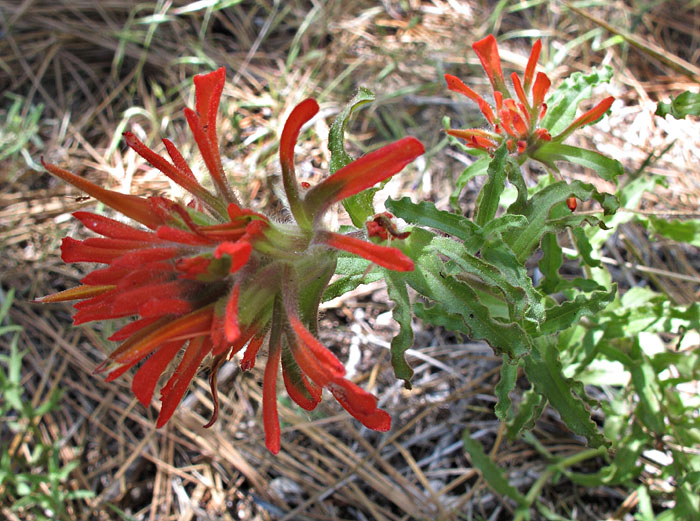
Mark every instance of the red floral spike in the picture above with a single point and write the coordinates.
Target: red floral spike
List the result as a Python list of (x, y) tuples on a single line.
[(212, 278), (515, 119)]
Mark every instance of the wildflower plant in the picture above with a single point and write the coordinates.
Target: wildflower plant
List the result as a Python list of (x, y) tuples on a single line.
[(210, 278)]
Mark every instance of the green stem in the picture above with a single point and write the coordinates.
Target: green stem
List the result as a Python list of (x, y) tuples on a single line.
[(559, 466)]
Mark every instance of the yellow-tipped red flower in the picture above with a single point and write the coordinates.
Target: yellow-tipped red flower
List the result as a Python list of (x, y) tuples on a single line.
[(514, 120), (210, 278)]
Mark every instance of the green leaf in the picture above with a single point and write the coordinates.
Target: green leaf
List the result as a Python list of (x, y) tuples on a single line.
[(682, 231), (584, 247), (426, 214), (358, 206), (515, 296), (645, 383), (608, 169), (515, 177), (477, 168), (562, 316), (563, 103), (685, 104), (550, 263), (529, 409), (354, 272), (509, 373), (490, 471), (542, 216), (473, 319), (544, 371), (500, 255), (402, 313), (490, 195)]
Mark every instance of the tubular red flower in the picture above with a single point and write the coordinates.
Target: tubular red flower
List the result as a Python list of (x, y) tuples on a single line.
[(540, 88), (146, 378), (457, 85)]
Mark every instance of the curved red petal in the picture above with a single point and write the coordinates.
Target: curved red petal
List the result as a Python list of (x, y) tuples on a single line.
[(132, 206), (146, 378)]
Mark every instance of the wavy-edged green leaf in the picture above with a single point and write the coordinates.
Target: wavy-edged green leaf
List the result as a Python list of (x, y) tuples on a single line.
[(685, 104), (336, 134), (402, 313), (563, 315), (490, 195), (539, 206), (490, 471), (515, 296), (358, 206), (500, 255), (477, 168), (468, 315), (544, 371), (583, 245), (426, 214), (564, 101), (529, 409), (506, 384), (607, 168), (644, 380), (515, 177)]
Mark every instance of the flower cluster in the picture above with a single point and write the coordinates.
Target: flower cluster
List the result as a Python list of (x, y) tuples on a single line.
[(514, 120), (210, 278)]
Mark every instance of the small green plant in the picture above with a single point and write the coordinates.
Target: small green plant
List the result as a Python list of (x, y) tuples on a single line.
[(33, 479), (19, 127)]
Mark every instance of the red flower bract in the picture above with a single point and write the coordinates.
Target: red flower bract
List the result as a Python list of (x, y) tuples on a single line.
[(209, 278)]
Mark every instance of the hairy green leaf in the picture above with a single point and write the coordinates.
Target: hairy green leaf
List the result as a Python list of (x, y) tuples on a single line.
[(509, 373), (358, 206), (529, 409), (490, 195), (544, 371), (492, 474), (550, 263), (562, 316), (682, 231), (607, 168), (402, 313), (477, 168), (543, 203)]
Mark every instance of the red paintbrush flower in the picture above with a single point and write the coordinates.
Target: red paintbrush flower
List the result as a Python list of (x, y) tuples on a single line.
[(514, 120), (211, 278)]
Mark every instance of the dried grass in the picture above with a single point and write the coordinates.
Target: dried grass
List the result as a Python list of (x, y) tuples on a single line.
[(100, 67)]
